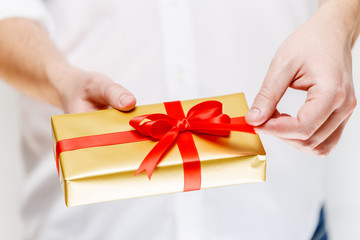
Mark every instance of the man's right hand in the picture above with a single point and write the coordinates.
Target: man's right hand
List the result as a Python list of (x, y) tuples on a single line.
[(31, 62), (82, 91)]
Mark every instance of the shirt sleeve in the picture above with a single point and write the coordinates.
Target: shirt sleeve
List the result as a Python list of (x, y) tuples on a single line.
[(31, 9)]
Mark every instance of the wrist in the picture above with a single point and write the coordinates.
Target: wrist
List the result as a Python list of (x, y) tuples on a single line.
[(62, 77), (341, 17)]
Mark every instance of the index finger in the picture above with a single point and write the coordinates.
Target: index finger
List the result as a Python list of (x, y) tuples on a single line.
[(318, 107)]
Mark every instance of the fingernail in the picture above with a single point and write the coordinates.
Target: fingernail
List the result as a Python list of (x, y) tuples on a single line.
[(125, 100), (253, 114)]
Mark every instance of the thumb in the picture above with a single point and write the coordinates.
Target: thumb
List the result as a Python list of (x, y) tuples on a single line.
[(273, 88), (118, 97), (109, 93)]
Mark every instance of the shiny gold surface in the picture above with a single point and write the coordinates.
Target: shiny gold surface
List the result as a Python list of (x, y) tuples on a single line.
[(107, 173)]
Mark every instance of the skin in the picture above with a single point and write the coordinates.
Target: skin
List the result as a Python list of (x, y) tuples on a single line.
[(316, 58), (30, 62)]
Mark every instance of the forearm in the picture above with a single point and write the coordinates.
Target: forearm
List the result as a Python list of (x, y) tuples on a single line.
[(346, 16), (30, 61)]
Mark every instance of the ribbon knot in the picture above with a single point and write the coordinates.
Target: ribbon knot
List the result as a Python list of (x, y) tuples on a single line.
[(183, 125), (205, 117)]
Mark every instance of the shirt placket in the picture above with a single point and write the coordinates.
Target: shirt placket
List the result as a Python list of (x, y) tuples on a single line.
[(181, 82), (179, 49)]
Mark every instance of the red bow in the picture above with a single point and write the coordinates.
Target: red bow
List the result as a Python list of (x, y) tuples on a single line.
[(205, 117)]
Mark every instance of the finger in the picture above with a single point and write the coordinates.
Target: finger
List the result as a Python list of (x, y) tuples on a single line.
[(276, 81), (325, 147), (118, 97), (316, 110), (323, 133), (329, 144), (112, 94)]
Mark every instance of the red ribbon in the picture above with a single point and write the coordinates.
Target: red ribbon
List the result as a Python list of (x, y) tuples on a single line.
[(205, 117)]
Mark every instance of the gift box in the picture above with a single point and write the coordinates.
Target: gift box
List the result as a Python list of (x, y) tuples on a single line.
[(155, 149)]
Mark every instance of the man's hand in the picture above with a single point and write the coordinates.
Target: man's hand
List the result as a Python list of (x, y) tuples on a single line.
[(316, 58), (82, 91), (30, 62)]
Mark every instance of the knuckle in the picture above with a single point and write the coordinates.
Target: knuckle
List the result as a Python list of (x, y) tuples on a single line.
[(96, 81), (100, 77), (267, 94), (306, 133), (339, 95), (309, 144), (322, 152), (280, 62), (350, 105), (353, 103), (109, 90)]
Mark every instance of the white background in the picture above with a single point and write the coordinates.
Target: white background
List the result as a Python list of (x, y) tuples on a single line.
[(343, 178)]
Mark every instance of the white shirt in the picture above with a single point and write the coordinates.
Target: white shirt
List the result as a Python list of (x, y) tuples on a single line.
[(168, 50)]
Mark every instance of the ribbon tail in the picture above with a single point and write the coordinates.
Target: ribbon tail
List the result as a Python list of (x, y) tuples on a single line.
[(155, 155), (145, 167)]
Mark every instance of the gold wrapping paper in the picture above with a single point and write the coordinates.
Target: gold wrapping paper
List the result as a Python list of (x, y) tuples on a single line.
[(106, 173)]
